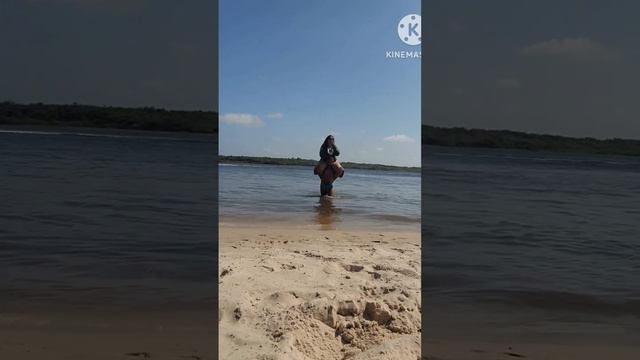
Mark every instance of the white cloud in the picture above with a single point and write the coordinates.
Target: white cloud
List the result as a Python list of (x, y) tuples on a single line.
[(379, 149), (275, 115), (399, 139), (246, 120), (508, 83), (581, 47)]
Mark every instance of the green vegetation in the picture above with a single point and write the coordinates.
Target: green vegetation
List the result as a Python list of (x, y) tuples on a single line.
[(305, 162), (505, 139), (206, 122), (108, 117)]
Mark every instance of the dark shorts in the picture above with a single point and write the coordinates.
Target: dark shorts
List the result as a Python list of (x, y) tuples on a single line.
[(325, 188)]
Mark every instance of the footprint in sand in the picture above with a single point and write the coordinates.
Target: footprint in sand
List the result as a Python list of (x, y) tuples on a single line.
[(514, 354), (353, 268), (143, 354), (225, 272)]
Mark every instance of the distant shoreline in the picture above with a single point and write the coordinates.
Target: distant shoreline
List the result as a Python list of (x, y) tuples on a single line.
[(108, 117), (227, 159), (507, 139), (205, 122)]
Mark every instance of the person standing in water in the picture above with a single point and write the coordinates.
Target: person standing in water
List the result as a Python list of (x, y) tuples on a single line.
[(328, 153), (326, 181)]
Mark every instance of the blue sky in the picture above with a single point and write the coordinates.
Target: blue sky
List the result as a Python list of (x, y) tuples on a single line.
[(292, 72)]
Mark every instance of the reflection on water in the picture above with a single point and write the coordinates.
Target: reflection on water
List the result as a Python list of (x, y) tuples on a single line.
[(327, 213)]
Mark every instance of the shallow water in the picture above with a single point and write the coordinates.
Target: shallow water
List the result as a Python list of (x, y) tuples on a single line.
[(552, 234), (107, 218), (290, 194)]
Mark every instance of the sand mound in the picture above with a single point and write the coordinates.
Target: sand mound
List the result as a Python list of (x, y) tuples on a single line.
[(340, 301)]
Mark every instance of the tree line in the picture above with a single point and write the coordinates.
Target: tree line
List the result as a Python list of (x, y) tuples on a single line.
[(149, 118)]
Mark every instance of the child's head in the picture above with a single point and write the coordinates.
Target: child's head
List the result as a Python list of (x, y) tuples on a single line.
[(329, 141)]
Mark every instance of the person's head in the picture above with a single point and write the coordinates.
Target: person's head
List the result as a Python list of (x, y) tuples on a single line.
[(329, 141)]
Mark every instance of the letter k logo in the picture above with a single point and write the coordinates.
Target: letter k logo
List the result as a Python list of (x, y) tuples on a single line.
[(410, 29)]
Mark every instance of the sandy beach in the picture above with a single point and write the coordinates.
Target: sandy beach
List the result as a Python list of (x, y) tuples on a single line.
[(300, 293)]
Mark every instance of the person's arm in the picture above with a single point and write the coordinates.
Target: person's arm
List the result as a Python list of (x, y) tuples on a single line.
[(336, 152), (323, 152)]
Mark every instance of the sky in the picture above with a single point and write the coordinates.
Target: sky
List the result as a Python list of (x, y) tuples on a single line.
[(158, 53), (292, 72), (569, 67)]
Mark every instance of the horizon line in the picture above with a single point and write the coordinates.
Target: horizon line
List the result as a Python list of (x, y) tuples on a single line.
[(342, 162), (422, 125)]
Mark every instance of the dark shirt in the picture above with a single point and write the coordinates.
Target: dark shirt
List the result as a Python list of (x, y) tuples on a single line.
[(329, 153)]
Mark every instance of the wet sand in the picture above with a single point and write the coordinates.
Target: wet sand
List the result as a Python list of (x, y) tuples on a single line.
[(299, 293), (474, 350), (65, 334), (498, 332)]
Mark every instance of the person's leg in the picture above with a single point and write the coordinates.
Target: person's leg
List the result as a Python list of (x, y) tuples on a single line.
[(319, 169), (337, 168), (326, 189)]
